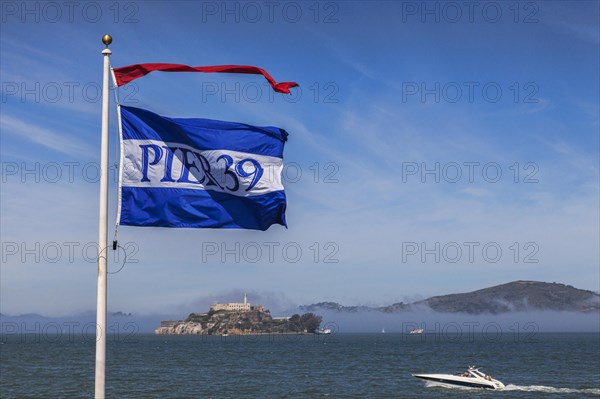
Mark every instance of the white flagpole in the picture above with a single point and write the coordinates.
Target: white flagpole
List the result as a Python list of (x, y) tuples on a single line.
[(103, 231)]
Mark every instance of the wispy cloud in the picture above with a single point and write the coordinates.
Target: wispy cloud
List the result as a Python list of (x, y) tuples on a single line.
[(476, 192), (41, 135)]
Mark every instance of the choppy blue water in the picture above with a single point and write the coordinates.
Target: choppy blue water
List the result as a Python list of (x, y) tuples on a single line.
[(334, 366)]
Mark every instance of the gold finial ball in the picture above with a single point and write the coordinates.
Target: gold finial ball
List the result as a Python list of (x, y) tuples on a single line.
[(107, 39)]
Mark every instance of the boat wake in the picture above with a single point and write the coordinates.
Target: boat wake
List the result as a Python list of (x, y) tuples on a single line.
[(541, 388), (524, 388)]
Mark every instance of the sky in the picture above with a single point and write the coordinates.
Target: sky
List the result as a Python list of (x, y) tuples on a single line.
[(434, 148)]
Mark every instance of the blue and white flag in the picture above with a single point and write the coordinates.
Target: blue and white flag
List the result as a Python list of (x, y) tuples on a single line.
[(199, 173)]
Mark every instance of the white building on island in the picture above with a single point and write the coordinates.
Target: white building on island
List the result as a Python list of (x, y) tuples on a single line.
[(236, 307)]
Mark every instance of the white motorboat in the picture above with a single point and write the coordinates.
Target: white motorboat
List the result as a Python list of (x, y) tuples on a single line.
[(323, 331), (472, 378), (417, 331)]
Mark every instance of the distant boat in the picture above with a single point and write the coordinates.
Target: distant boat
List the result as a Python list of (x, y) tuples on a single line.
[(383, 330), (323, 331), (417, 331)]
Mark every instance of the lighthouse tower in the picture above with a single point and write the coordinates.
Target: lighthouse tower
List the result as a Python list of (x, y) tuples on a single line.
[(245, 298)]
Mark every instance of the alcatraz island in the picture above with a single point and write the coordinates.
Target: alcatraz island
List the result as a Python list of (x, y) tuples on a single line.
[(239, 319)]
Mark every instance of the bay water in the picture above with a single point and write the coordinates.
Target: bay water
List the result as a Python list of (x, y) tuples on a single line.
[(144, 366)]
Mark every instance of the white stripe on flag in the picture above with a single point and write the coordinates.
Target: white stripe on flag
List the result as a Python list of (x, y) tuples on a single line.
[(153, 163)]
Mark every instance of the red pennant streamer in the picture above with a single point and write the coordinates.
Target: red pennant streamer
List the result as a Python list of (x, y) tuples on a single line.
[(124, 75)]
